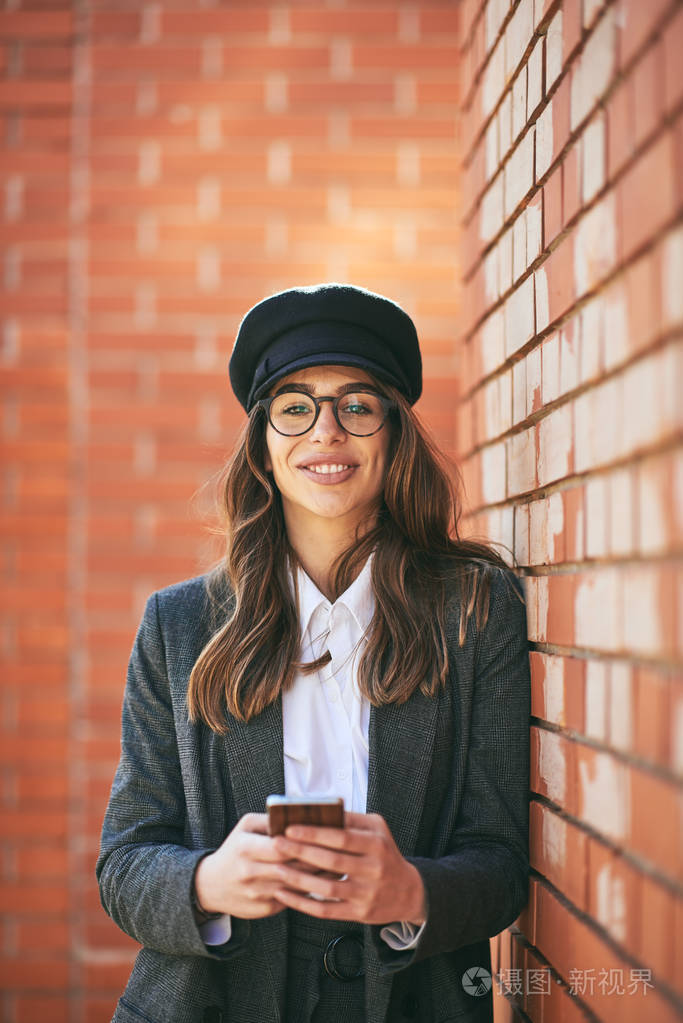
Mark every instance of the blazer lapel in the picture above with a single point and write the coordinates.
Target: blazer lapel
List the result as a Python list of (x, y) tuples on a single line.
[(255, 759), (400, 757)]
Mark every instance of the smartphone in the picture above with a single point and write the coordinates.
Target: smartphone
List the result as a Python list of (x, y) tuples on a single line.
[(323, 811)]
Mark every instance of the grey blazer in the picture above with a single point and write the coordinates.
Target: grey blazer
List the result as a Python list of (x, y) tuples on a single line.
[(449, 774)]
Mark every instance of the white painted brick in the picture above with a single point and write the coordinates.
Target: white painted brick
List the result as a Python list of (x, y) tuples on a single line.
[(279, 162), (519, 231), (505, 400), (519, 316), (492, 426), (550, 367), (595, 245), (519, 90), (208, 268), (555, 445), (493, 473), (493, 341), (597, 510), (534, 83), (494, 17), (518, 35), (505, 126), (405, 94), (210, 128), (341, 61), (491, 289), (653, 510), (492, 210), (277, 93), (279, 31), (604, 805), (553, 51), (621, 703), (649, 395), (534, 228), (591, 8), (593, 157), (149, 162), (553, 690), (616, 345), (597, 607), (405, 239), (643, 613), (592, 333), (519, 391), (538, 533), (491, 148), (505, 262), (672, 278), (593, 72), (542, 303), (621, 506), (570, 351), (408, 24), (552, 766), (494, 81), (533, 380), (521, 547), (208, 198), (555, 526), (501, 531), (583, 434), (521, 462), (544, 140), (596, 699), (408, 164), (519, 172), (147, 232), (212, 57)]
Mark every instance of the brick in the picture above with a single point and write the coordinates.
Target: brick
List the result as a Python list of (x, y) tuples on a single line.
[(648, 93), (519, 103), (552, 206), (620, 127), (521, 462), (534, 80), (595, 245), (551, 768), (642, 209), (654, 799), (494, 81), (571, 29), (553, 51), (559, 270), (519, 316), (673, 70), (36, 24), (593, 162), (593, 72), (622, 512), (614, 893), (424, 56), (638, 21), (555, 458), (604, 793)]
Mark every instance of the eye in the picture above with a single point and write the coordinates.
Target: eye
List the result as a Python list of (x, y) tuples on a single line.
[(358, 405), (294, 408)]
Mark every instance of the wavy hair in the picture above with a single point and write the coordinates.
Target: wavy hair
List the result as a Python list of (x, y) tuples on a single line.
[(418, 555)]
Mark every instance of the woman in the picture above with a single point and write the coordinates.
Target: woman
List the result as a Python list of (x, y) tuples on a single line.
[(352, 645)]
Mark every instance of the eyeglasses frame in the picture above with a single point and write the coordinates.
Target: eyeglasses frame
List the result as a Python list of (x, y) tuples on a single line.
[(388, 404)]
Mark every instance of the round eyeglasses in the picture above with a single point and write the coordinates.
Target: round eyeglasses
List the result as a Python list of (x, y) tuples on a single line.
[(360, 413)]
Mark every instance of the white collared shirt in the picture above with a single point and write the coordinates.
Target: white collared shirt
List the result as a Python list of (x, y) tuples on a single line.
[(325, 720)]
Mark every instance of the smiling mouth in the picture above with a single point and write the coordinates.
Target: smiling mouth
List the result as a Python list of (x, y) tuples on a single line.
[(327, 469)]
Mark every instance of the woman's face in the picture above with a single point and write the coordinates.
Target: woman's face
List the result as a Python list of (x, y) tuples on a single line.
[(302, 466)]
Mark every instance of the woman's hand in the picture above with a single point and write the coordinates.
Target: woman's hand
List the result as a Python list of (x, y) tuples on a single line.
[(241, 876), (374, 883)]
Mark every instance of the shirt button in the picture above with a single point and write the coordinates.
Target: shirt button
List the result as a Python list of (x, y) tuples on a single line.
[(342, 775), (333, 697)]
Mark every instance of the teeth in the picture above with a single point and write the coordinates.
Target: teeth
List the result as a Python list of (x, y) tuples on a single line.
[(325, 469)]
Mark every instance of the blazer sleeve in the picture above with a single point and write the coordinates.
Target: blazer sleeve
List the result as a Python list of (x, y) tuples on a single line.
[(145, 870), (481, 885)]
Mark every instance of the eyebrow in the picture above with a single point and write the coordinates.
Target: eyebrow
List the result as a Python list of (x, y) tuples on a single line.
[(294, 385)]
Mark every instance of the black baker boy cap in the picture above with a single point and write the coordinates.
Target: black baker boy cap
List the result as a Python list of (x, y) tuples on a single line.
[(326, 324)]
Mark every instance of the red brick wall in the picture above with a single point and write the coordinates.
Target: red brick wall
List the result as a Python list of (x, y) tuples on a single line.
[(570, 431), (166, 165)]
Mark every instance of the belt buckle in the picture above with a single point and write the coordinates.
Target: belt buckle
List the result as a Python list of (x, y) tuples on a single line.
[(331, 967)]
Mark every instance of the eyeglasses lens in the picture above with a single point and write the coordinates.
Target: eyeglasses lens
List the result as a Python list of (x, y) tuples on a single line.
[(359, 414)]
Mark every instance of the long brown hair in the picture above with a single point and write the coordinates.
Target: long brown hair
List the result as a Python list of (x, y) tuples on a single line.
[(418, 555)]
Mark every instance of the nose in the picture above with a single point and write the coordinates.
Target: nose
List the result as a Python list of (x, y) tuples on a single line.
[(326, 426)]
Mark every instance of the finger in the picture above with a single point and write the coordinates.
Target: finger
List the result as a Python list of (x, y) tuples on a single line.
[(316, 884), (318, 856), (313, 907), (349, 840), (254, 822)]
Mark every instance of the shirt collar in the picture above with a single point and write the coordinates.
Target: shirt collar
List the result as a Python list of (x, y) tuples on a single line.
[(358, 598)]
